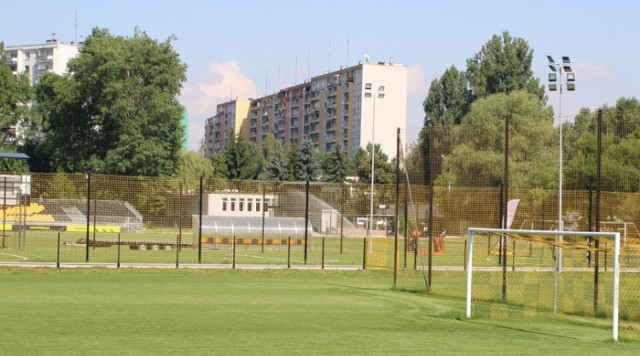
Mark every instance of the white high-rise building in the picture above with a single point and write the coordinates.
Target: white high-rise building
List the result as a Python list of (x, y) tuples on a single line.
[(350, 107), (35, 60), (38, 59)]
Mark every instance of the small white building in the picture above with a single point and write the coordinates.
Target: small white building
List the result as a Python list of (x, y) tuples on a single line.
[(239, 204)]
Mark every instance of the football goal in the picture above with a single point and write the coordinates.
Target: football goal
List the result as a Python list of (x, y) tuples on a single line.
[(512, 269)]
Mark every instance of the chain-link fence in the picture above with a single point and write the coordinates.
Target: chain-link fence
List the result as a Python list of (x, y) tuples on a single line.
[(458, 177)]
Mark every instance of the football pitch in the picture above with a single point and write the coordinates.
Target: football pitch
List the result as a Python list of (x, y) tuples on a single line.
[(214, 311)]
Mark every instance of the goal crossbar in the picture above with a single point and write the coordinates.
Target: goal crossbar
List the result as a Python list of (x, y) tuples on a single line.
[(616, 260)]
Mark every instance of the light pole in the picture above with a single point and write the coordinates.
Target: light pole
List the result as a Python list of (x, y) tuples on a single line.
[(367, 94), (555, 83)]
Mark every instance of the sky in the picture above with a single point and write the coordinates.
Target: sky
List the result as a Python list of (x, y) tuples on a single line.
[(246, 48)]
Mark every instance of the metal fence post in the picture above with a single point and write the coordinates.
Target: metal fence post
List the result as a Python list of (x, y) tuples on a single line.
[(86, 258), (178, 250), (233, 256), (322, 263), (306, 220), (289, 252), (200, 224), (364, 254), (118, 262), (58, 252)]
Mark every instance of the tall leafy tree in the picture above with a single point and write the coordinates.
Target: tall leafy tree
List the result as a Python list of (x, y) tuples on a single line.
[(448, 100), (15, 99), (118, 113), (620, 170), (384, 171), (478, 158), (193, 166), (503, 65)]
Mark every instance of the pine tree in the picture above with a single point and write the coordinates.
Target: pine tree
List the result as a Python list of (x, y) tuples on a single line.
[(308, 163)]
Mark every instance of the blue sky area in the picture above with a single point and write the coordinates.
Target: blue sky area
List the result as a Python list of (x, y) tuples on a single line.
[(246, 48)]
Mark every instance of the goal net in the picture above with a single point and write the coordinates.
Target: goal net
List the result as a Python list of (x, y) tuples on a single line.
[(514, 272)]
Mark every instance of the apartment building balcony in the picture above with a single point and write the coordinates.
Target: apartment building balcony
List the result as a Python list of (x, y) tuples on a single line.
[(45, 58)]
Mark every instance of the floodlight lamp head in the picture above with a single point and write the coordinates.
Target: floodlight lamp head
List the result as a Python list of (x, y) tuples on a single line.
[(552, 67), (551, 62), (367, 86)]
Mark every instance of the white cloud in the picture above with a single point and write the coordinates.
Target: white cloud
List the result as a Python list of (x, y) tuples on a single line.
[(595, 72), (222, 82), (416, 85)]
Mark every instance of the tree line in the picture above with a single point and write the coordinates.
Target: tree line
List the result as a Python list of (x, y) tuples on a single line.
[(464, 139), (117, 112)]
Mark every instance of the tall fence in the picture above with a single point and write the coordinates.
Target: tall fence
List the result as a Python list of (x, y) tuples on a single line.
[(460, 177)]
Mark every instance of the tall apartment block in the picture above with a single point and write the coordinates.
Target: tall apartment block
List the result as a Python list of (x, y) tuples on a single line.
[(349, 107), (38, 59)]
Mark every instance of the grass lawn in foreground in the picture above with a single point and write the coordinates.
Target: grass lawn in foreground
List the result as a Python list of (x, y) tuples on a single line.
[(160, 311)]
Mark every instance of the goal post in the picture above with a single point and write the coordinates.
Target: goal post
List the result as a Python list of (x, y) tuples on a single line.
[(579, 241)]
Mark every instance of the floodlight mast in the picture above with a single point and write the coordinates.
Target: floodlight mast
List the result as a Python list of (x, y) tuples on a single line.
[(368, 94), (560, 68)]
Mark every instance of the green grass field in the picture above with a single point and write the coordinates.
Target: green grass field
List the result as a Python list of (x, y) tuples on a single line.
[(196, 312)]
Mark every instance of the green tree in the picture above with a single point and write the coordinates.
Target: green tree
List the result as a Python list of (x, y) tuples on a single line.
[(384, 171), (193, 166), (335, 165), (242, 160), (478, 158), (118, 113), (15, 97), (448, 100), (219, 166), (276, 166), (308, 163), (503, 65), (620, 170), (294, 168)]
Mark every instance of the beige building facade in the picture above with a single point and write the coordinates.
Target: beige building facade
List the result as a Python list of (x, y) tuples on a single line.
[(349, 107)]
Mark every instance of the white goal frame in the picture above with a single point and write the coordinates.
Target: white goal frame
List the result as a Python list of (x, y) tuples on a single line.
[(616, 260)]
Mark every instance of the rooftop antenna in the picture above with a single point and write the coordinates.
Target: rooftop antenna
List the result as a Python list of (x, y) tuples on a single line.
[(295, 72), (329, 69), (278, 82), (75, 28), (266, 80), (347, 64), (308, 65)]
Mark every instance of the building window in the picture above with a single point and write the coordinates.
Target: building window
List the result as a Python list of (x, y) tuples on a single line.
[(249, 204), (241, 204), (233, 204), (258, 201), (224, 204)]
